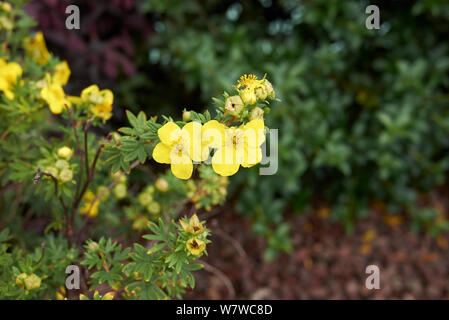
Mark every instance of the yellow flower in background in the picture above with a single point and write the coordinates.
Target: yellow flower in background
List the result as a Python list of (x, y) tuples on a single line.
[(179, 147), (102, 111), (9, 72), (194, 226), (88, 197), (36, 48), (93, 94), (55, 97), (240, 147), (195, 246), (62, 74), (65, 152), (101, 99)]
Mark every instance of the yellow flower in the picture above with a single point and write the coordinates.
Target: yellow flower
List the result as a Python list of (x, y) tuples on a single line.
[(240, 147), (9, 72), (62, 74), (249, 82), (179, 147), (93, 94), (102, 111), (195, 246), (194, 226), (101, 100), (88, 197), (54, 95), (65, 152), (37, 49)]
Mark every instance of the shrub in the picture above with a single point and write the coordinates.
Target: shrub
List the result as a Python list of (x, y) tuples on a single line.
[(69, 196)]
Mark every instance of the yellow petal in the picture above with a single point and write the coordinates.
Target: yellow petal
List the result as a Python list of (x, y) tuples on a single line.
[(169, 133), (222, 165), (161, 153), (182, 170), (254, 133), (93, 89), (193, 130), (252, 156), (213, 134), (108, 96)]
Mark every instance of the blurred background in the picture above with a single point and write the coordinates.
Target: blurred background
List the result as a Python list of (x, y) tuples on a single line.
[(363, 131)]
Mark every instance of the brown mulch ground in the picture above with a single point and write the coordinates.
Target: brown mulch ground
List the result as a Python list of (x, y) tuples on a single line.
[(325, 263)]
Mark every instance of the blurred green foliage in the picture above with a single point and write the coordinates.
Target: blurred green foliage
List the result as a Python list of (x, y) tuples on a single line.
[(364, 113)]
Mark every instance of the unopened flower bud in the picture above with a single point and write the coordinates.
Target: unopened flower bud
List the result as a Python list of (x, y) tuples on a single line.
[(120, 191), (154, 208), (261, 93), (6, 7), (32, 282), (62, 164), (104, 193), (145, 199), (52, 170), (65, 152), (234, 105), (5, 23), (256, 114), (248, 96), (21, 278), (269, 88), (93, 246), (161, 185), (66, 175), (186, 116)]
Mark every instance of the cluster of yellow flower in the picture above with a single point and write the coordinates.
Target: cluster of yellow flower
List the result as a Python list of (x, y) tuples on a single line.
[(99, 103), (195, 245), (234, 146)]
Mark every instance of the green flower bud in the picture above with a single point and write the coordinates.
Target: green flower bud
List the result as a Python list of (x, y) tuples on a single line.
[(51, 170), (261, 93), (269, 88), (120, 191), (93, 246), (161, 185), (61, 164), (5, 23), (6, 7), (234, 105), (66, 175), (145, 199), (21, 278), (256, 114), (154, 208), (186, 116), (104, 192), (32, 282)]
